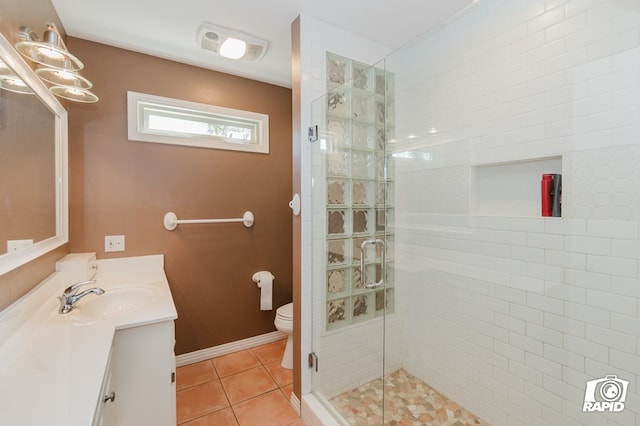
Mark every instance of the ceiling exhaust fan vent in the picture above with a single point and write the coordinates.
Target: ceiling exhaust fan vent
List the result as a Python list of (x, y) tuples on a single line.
[(210, 37)]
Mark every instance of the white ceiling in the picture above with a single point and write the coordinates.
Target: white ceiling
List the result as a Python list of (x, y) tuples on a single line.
[(167, 29)]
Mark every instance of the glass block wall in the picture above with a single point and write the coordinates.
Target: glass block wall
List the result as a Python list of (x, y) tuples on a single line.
[(359, 189)]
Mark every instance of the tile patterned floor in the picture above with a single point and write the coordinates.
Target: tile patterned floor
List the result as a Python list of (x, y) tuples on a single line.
[(246, 388), (408, 401)]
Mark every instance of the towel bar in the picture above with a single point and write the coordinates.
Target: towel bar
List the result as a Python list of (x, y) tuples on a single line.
[(171, 221)]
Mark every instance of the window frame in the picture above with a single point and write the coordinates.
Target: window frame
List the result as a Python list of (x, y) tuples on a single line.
[(140, 104)]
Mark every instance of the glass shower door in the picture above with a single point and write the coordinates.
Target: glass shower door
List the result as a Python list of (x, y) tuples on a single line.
[(353, 288)]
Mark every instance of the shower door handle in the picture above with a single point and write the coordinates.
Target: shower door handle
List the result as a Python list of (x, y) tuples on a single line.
[(363, 269)]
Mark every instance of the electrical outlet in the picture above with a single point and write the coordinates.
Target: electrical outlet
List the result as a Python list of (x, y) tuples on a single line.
[(114, 243)]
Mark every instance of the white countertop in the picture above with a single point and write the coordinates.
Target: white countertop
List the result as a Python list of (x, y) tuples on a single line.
[(52, 365)]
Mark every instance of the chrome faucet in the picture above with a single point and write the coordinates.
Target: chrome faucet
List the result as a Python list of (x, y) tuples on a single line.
[(70, 295)]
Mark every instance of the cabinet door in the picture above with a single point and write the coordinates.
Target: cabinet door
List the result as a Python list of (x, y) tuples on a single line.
[(145, 372), (106, 409)]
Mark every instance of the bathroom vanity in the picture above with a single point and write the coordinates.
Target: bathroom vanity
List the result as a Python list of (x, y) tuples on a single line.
[(110, 361)]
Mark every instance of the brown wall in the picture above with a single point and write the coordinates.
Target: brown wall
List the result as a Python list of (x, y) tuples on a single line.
[(18, 282), (121, 187), (34, 14)]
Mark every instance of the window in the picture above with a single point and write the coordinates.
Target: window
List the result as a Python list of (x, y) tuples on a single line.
[(171, 121)]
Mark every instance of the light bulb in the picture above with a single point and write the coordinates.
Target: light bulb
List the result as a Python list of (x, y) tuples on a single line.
[(16, 82), (74, 91), (51, 53), (233, 48), (65, 75)]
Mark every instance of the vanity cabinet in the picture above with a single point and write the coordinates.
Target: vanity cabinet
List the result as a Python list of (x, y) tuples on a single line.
[(144, 370), (139, 383), (109, 362), (106, 408)]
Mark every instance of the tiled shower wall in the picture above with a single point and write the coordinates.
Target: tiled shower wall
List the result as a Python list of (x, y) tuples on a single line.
[(351, 178), (352, 355), (359, 191), (510, 314)]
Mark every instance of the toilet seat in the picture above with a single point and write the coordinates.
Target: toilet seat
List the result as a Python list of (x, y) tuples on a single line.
[(285, 312)]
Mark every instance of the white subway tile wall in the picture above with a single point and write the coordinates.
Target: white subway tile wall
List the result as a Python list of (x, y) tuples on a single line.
[(511, 338), (511, 315), (351, 356)]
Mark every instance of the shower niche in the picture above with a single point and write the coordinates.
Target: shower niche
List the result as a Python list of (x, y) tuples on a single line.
[(511, 189), (359, 190)]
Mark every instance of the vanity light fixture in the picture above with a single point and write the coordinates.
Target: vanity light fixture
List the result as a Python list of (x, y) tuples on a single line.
[(62, 77), (4, 68), (11, 82), (58, 68), (75, 94), (230, 43), (51, 52)]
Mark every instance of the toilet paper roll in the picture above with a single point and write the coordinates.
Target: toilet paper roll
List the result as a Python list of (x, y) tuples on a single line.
[(264, 280)]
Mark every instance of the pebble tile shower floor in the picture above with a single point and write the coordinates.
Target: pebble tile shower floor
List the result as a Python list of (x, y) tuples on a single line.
[(408, 401)]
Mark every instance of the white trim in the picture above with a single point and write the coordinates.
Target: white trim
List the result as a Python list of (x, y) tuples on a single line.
[(138, 103), (295, 403), (228, 348), (314, 413), (10, 261)]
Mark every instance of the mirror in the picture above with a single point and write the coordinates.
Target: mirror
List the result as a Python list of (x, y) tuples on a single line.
[(33, 165)]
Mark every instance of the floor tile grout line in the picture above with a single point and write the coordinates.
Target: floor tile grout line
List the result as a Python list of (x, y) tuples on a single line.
[(232, 406), (210, 412), (197, 384), (255, 396), (273, 377), (205, 415), (219, 379), (239, 371)]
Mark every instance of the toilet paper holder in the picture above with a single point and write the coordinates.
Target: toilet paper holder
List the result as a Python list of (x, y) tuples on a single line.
[(264, 279)]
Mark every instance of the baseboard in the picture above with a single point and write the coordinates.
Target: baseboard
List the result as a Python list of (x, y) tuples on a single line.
[(295, 403), (227, 348)]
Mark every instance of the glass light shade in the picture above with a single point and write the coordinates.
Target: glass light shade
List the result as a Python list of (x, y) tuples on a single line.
[(233, 48), (4, 69), (63, 78), (74, 94), (13, 83), (49, 55)]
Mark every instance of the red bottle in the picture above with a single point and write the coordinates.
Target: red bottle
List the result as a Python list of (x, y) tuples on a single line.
[(546, 192)]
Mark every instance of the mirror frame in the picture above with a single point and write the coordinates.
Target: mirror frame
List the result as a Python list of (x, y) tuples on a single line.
[(10, 261)]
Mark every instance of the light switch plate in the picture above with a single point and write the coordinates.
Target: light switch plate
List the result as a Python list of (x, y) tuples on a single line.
[(114, 243)]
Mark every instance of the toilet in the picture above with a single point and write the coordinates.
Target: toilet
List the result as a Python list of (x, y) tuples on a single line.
[(284, 323)]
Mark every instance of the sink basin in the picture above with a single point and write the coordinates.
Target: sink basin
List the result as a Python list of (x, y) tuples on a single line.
[(117, 301)]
